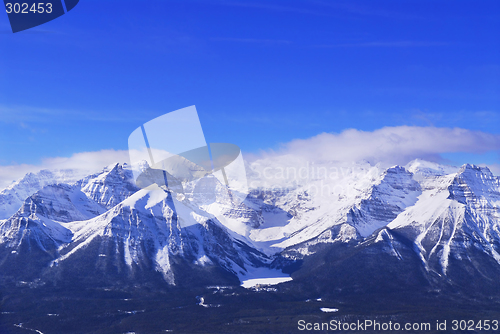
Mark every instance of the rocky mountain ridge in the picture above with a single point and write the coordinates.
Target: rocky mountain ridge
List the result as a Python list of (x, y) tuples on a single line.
[(112, 231)]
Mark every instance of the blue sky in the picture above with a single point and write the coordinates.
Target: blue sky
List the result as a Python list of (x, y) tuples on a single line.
[(261, 73)]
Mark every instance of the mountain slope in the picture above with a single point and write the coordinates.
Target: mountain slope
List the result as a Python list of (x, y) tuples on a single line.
[(145, 236), (441, 228), (12, 197), (447, 242)]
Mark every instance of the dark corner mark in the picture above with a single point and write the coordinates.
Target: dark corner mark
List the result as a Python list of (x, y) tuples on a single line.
[(26, 14)]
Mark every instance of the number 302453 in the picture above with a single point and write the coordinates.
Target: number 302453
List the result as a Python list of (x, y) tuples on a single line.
[(24, 8)]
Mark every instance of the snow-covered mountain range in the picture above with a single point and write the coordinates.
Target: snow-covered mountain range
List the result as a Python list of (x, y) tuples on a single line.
[(13, 196), (443, 222)]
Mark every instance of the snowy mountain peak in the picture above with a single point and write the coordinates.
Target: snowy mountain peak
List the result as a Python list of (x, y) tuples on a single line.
[(473, 170), (12, 197), (105, 222), (427, 168), (472, 183), (396, 191), (110, 187)]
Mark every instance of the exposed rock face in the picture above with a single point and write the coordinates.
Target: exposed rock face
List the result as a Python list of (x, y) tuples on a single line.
[(439, 225)]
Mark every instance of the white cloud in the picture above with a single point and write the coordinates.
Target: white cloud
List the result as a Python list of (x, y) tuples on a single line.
[(495, 168), (86, 162), (389, 145)]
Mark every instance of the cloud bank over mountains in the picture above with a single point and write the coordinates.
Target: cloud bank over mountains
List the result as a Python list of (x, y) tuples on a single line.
[(87, 162), (388, 146), (391, 145)]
